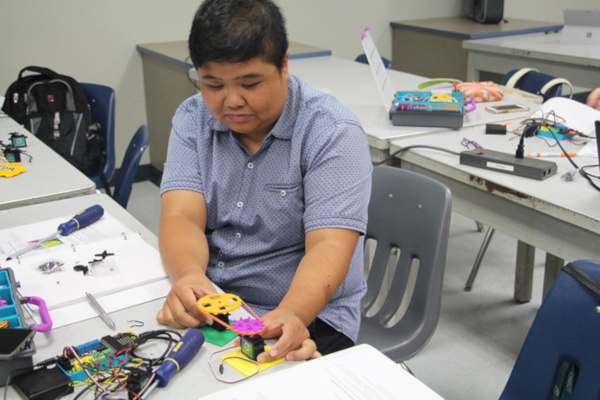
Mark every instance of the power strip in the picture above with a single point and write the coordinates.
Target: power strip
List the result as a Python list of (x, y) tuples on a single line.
[(508, 163)]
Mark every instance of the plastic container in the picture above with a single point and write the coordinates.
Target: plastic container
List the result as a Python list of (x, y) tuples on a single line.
[(12, 312)]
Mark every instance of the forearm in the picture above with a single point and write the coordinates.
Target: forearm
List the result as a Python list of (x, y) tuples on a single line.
[(181, 238), (183, 247), (320, 273)]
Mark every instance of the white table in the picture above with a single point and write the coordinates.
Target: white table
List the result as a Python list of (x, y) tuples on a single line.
[(193, 382), (578, 63), (354, 86), (48, 177), (561, 218), (185, 384)]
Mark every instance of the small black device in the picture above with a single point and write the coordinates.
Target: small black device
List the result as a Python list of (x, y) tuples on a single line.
[(495, 129), (42, 384), (12, 155), (508, 163), (252, 345), (221, 317), (484, 11), (18, 140)]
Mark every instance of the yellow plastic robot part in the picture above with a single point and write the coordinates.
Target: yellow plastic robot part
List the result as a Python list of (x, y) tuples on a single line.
[(442, 97), (219, 303)]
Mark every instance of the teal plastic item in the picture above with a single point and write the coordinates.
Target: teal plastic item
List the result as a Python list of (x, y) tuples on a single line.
[(552, 132), (11, 311)]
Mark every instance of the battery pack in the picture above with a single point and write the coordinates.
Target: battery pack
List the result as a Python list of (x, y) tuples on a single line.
[(508, 163), (43, 384)]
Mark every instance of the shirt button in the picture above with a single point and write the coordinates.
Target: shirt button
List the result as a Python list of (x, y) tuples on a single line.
[(238, 235), (240, 204), (283, 193), (250, 165), (220, 264)]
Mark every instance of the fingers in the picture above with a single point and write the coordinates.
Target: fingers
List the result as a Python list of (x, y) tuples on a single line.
[(593, 99), (174, 314), (180, 310), (307, 351), (291, 333)]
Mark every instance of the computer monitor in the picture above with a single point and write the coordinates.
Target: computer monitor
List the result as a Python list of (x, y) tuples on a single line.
[(581, 26)]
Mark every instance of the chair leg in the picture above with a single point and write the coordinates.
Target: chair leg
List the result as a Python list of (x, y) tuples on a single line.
[(484, 245), (553, 267)]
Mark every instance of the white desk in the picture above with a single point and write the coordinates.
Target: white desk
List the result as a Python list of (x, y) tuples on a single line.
[(561, 218), (354, 86), (185, 384), (193, 382), (48, 177), (580, 64)]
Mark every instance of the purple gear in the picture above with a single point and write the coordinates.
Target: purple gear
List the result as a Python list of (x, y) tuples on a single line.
[(248, 326)]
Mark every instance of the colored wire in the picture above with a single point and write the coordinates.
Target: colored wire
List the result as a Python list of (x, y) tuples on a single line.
[(222, 365)]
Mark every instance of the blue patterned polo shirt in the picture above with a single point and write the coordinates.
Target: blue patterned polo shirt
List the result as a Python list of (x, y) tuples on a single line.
[(313, 171)]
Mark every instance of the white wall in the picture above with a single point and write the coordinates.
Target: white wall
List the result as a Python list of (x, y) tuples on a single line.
[(94, 41)]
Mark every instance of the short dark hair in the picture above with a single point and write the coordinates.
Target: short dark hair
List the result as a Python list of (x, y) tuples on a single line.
[(237, 31)]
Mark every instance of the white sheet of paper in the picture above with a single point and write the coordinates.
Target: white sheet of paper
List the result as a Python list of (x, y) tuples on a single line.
[(134, 263), (359, 373)]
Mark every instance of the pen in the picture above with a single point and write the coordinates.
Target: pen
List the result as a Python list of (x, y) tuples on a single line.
[(105, 317), (550, 155)]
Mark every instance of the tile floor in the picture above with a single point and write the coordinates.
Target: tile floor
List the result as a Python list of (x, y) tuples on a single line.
[(479, 333)]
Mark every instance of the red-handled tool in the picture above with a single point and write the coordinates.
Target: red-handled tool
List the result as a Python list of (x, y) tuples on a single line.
[(79, 220)]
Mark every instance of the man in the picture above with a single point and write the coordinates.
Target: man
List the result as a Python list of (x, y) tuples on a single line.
[(265, 189)]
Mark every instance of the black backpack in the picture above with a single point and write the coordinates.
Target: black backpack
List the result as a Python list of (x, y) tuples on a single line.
[(54, 108)]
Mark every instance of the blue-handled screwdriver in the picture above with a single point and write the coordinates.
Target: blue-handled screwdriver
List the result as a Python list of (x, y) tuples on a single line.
[(180, 356), (79, 220)]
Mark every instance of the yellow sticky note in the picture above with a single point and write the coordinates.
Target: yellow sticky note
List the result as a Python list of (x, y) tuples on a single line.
[(11, 169), (245, 367)]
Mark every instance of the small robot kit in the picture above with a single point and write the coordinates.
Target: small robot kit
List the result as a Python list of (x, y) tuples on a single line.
[(218, 306), (428, 109)]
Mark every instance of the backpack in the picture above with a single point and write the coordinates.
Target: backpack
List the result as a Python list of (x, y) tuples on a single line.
[(54, 108)]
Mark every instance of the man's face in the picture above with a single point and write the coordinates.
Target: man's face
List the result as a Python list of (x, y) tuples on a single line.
[(247, 97)]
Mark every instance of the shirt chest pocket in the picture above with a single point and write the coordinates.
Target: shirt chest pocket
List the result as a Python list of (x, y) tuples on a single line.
[(285, 199)]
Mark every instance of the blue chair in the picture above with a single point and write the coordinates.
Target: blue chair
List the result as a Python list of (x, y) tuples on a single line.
[(102, 103), (129, 166), (566, 330), (409, 215), (362, 58), (532, 81)]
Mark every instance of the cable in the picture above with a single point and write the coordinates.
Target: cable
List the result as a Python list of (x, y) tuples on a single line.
[(161, 334), (581, 171), (235, 357), (416, 146)]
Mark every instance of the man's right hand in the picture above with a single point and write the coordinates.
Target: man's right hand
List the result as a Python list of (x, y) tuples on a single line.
[(180, 310)]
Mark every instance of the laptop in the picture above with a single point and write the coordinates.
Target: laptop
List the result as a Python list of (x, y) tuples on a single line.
[(598, 141), (581, 27)]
